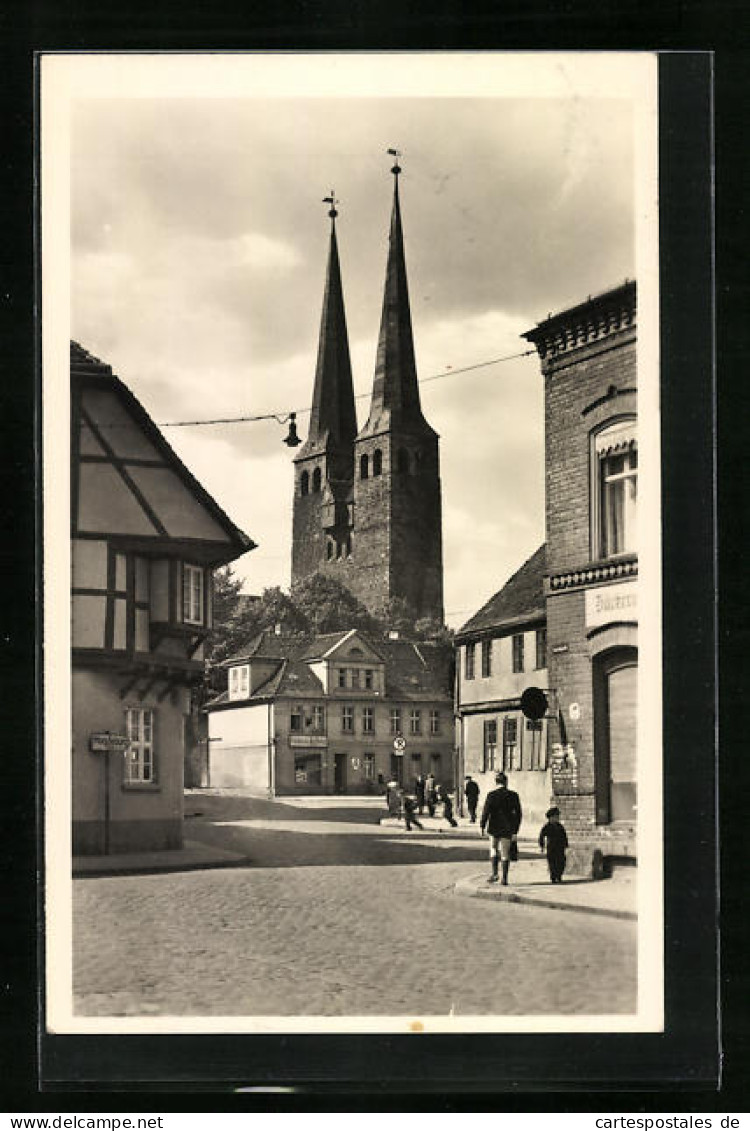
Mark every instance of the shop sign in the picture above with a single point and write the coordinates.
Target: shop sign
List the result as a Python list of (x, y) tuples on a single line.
[(611, 603), (102, 741)]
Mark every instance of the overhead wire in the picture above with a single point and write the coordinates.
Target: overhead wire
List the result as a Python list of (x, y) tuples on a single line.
[(282, 418)]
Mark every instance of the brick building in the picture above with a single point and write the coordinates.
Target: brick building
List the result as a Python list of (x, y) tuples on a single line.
[(320, 716), (588, 361), (367, 506), (145, 539), (500, 652)]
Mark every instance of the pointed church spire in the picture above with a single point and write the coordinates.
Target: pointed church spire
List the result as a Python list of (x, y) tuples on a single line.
[(395, 392), (333, 420)]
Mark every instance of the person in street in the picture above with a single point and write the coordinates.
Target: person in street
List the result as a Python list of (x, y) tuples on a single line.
[(419, 793), (555, 839), (393, 798), (447, 801), (410, 813), (501, 817), (471, 792), (430, 794)]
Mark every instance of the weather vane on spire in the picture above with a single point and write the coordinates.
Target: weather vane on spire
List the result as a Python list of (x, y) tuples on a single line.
[(396, 169), (333, 202)]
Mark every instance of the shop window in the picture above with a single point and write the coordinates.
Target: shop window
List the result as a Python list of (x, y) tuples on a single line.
[(364, 467), (486, 659), (470, 653), (489, 745), (511, 753), (347, 720), (192, 594), (368, 721), (615, 483), (415, 721), (307, 770), (377, 462), (316, 479), (304, 483), (395, 720), (434, 722), (541, 648), (140, 766), (517, 645)]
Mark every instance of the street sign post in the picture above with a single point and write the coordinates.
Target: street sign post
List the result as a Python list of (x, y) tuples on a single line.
[(399, 744)]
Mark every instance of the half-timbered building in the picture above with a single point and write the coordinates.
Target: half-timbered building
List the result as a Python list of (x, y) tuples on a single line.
[(145, 539)]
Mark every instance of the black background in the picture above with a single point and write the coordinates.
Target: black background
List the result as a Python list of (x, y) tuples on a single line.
[(677, 1071)]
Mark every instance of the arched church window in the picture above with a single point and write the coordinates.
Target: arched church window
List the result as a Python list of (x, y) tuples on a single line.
[(364, 467), (329, 549), (316, 479), (402, 461), (304, 483), (377, 462)]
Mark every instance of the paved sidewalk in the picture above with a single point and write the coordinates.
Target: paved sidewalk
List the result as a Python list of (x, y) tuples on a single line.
[(193, 855), (529, 883)]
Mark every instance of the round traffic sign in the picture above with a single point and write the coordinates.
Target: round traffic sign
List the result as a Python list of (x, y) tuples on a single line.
[(534, 703), (399, 744)]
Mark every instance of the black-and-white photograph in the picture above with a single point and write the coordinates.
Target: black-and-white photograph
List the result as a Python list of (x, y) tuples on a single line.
[(352, 635)]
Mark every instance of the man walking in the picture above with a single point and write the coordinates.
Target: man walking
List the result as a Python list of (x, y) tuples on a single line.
[(501, 816), (471, 791)]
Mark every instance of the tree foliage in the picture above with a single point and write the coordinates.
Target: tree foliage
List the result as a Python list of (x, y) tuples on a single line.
[(328, 606)]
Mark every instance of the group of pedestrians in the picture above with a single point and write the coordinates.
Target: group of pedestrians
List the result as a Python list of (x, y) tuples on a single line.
[(500, 820), (428, 794)]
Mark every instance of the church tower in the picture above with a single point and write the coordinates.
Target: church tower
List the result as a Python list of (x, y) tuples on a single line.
[(322, 518), (397, 507), (367, 507)]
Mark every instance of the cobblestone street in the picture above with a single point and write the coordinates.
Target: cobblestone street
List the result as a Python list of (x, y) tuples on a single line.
[(334, 915)]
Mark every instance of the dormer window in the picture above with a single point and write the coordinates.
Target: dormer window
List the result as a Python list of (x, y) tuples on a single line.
[(192, 594), (239, 682)]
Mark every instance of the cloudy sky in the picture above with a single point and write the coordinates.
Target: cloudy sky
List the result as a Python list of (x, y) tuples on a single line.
[(198, 254)]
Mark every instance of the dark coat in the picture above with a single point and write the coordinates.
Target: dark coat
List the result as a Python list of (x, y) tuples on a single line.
[(556, 838), (501, 814), (471, 789)]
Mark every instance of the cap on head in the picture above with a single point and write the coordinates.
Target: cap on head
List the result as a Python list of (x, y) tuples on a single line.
[(553, 812), (501, 778)]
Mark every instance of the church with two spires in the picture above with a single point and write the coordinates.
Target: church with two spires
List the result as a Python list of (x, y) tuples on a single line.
[(367, 507)]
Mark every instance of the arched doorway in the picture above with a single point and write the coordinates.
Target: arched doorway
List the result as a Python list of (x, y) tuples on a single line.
[(615, 734)]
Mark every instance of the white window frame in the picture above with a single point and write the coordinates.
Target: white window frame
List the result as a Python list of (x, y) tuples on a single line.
[(470, 656), (395, 720), (434, 721), (140, 757), (415, 721), (193, 595), (347, 719), (615, 438), (368, 720), (319, 719), (517, 652)]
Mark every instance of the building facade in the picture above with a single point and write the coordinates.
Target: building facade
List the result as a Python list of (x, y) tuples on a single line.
[(145, 538), (588, 361), (367, 504), (323, 716), (500, 652)]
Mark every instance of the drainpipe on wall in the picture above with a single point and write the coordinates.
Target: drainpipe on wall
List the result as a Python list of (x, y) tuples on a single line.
[(458, 732), (271, 753)]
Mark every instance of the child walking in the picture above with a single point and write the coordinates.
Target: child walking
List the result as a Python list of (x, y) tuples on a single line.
[(553, 833)]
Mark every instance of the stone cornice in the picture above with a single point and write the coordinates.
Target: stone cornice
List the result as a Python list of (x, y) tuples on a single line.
[(595, 321), (597, 573)]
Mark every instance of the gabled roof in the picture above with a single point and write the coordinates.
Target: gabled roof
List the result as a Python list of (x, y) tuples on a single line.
[(267, 645), (520, 600), (326, 644), (417, 671), (86, 370)]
